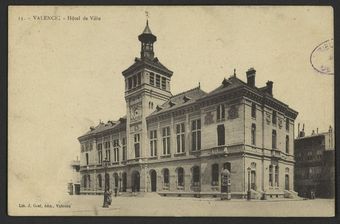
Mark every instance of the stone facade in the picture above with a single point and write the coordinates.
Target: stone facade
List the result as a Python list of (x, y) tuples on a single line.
[(315, 164), (179, 144)]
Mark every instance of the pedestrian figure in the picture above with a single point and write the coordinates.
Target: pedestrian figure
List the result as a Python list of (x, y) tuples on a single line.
[(109, 198), (116, 189), (106, 199)]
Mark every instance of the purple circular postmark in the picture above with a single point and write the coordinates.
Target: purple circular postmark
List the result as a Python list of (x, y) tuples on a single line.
[(322, 57)]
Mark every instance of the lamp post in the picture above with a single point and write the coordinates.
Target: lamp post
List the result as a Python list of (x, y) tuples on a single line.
[(248, 192), (106, 203)]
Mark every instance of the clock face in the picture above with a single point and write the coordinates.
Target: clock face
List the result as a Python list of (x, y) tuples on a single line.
[(135, 112)]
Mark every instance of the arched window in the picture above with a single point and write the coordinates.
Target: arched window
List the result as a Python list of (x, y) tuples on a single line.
[(253, 110), (274, 139), (270, 175), (180, 176), (196, 175), (214, 174), (253, 134), (166, 177), (287, 144), (276, 176), (220, 112), (99, 180)]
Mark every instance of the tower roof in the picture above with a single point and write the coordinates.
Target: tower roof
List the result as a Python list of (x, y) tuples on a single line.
[(147, 28), (147, 35)]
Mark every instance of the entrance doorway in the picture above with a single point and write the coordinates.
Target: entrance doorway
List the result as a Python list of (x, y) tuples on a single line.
[(77, 189), (124, 180), (253, 179), (286, 182), (153, 177), (135, 181)]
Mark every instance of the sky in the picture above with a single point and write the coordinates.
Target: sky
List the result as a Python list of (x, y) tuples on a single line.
[(65, 76)]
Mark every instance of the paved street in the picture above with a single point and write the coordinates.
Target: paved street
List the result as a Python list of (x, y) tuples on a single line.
[(154, 205)]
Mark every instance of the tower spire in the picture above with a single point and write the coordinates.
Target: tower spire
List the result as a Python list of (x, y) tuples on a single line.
[(147, 39)]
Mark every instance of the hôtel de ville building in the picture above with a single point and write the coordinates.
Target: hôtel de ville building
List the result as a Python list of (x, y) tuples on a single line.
[(179, 144)]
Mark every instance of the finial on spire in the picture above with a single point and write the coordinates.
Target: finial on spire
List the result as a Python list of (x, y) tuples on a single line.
[(147, 17)]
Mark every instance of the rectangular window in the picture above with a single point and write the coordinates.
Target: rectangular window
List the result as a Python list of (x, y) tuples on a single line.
[(287, 124), (139, 79), (253, 134), (158, 81), (163, 83), (276, 176), (100, 153), (274, 139), (180, 137), (130, 83), (116, 150), (220, 112), (271, 175), (253, 110), (100, 157), (166, 140), (107, 151), (196, 135), (137, 145), (274, 117), (124, 149), (134, 81), (152, 79), (87, 159), (220, 135), (153, 143)]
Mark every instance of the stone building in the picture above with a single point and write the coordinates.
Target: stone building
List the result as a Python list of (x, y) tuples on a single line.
[(315, 164), (74, 184), (179, 144)]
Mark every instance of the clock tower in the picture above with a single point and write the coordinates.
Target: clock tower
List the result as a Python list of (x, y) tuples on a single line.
[(147, 84)]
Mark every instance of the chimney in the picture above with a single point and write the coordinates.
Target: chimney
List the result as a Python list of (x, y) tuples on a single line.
[(269, 87), (313, 132), (251, 77), (303, 131), (317, 130)]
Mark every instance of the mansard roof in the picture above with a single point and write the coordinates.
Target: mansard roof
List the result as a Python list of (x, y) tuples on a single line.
[(154, 64), (119, 125), (181, 99)]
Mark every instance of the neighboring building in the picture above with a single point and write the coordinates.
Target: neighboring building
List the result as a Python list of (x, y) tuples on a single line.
[(315, 164), (74, 184), (179, 144)]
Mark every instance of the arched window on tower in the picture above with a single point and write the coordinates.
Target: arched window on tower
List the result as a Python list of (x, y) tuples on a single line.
[(287, 144)]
